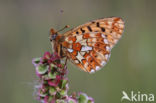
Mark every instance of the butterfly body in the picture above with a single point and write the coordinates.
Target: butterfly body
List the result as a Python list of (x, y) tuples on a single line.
[(89, 45)]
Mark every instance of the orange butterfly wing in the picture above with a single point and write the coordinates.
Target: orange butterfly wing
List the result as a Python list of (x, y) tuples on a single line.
[(89, 45)]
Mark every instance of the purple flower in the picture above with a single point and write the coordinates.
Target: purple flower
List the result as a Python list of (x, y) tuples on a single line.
[(53, 86), (47, 99), (72, 100), (46, 56)]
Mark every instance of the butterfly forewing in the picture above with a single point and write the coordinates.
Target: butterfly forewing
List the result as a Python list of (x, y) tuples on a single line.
[(88, 46)]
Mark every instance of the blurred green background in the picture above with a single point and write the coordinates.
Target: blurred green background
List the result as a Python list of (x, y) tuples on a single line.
[(24, 31)]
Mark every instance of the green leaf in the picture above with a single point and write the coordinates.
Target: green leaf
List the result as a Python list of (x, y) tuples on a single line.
[(64, 82), (89, 101), (42, 69), (83, 98), (52, 90), (71, 101), (63, 92), (52, 75), (42, 94), (52, 65), (60, 101), (36, 60), (50, 99)]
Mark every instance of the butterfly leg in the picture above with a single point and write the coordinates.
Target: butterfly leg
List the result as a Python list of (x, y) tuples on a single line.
[(66, 60)]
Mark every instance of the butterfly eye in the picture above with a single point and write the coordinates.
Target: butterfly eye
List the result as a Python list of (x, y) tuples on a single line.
[(53, 37)]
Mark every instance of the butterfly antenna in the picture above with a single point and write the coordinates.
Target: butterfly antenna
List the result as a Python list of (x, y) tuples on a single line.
[(67, 26)]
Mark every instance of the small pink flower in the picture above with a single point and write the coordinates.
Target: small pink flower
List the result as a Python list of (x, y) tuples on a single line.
[(55, 56), (59, 65), (47, 56), (55, 82), (46, 99), (39, 75), (52, 83)]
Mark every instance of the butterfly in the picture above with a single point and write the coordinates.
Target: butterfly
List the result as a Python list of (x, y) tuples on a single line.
[(88, 46)]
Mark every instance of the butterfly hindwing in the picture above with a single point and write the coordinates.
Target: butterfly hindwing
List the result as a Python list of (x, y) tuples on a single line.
[(89, 45), (90, 52)]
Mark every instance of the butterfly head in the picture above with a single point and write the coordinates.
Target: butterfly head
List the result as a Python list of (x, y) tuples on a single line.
[(53, 34)]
